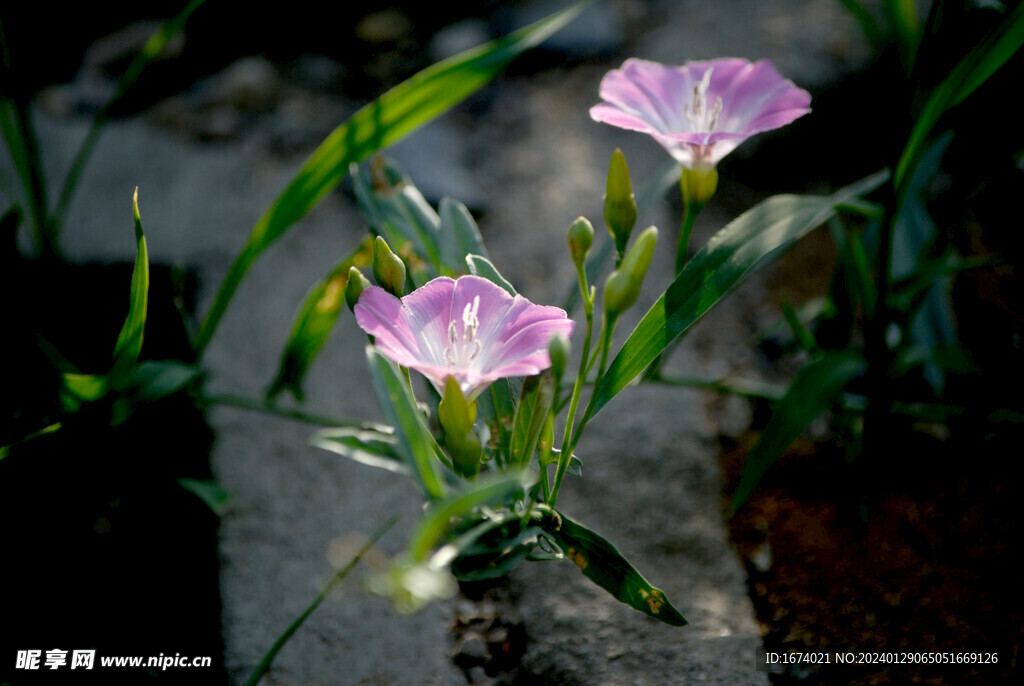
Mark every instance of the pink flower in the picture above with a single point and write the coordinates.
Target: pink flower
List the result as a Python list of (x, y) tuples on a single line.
[(468, 328), (700, 111)]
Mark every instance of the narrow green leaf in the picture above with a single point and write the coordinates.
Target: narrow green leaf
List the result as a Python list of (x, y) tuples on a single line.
[(460, 236), (804, 338), (150, 51), (365, 446), (129, 340), (394, 209), (314, 321), (902, 17), (483, 267), (499, 489), (603, 564), (748, 242), (384, 121), (496, 407), (415, 444), (868, 23), (575, 467), (976, 67), (158, 379), (533, 408), (85, 387), (5, 450), (212, 495), (812, 392)]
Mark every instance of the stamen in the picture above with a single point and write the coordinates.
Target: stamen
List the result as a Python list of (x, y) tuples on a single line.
[(460, 355), (697, 112)]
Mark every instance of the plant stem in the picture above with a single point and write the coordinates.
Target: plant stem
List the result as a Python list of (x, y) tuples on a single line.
[(690, 212), (256, 405), (581, 377), (264, 665)]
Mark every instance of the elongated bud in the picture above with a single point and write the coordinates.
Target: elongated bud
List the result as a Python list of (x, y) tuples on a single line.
[(357, 283), (622, 287), (457, 416), (388, 268), (619, 204), (558, 350), (698, 185), (580, 238)]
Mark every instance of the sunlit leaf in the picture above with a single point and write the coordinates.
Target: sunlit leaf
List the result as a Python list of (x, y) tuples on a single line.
[(314, 321), (366, 446), (750, 241), (495, 490), (532, 410), (460, 236), (415, 444), (384, 121), (603, 564), (129, 340), (813, 391), (394, 209), (484, 268)]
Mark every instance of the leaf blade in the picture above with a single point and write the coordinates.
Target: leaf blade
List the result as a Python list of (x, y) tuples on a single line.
[(603, 564), (813, 390), (746, 243), (382, 122)]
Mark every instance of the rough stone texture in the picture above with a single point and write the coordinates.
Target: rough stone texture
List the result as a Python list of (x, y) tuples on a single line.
[(651, 479)]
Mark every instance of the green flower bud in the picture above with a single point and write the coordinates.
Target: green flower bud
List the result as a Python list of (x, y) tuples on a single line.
[(698, 185), (558, 350), (388, 268), (619, 204), (457, 416), (581, 237), (357, 283), (622, 287)]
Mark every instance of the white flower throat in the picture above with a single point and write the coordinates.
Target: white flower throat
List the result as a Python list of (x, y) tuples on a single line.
[(459, 354), (702, 119)]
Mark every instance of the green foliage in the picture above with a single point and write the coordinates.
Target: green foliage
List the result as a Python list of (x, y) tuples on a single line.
[(382, 122), (314, 322), (748, 242), (983, 60), (603, 564), (415, 445), (813, 391)]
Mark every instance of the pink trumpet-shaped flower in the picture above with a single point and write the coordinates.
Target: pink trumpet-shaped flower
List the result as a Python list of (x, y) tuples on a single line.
[(700, 111), (468, 328)]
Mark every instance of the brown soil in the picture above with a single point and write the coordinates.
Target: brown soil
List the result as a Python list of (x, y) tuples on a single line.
[(921, 555)]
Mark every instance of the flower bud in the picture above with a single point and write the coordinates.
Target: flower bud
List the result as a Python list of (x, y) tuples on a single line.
[(388, 268), (581, 237), (622, 287), (457, 416), (357, 283), (698, 185), (558, 350), (619, 204)]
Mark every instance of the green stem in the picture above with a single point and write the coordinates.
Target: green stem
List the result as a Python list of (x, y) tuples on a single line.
[(570, 440), (246, 403), (36, 185), (264, 665), (690, 212), (581, 377)]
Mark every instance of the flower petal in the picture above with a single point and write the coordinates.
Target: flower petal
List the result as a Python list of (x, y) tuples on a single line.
[(506, 336), (739, 99)]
